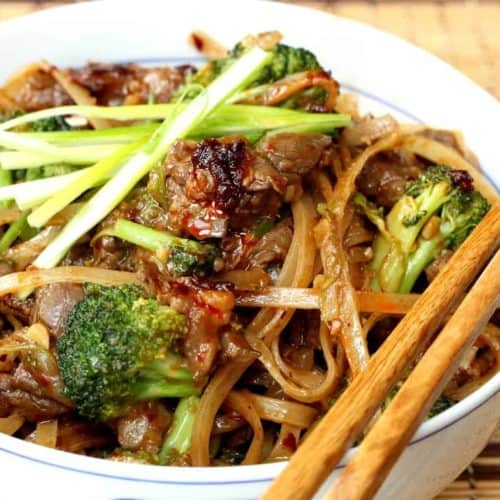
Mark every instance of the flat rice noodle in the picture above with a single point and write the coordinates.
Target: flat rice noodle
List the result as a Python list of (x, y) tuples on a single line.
[(338, 302), (309, 298), (11, 424), (286, 444), (240, 402), (253, 279), (282, 412), (299, 389), (443, 155), (27, 280)]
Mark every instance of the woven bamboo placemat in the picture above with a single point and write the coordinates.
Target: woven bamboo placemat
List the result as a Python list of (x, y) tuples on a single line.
[(464, 33)]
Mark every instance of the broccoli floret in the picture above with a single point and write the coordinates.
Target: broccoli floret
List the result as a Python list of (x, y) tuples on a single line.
[(185, 257), (286, 61), (402, 250), (52, 124), (115, 350), (460, 215)]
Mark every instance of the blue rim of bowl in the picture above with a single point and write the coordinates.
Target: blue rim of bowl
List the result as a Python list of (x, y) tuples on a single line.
[(351, 88)]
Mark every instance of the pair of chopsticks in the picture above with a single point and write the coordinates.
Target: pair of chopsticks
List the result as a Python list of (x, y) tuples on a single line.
[(386, 440)]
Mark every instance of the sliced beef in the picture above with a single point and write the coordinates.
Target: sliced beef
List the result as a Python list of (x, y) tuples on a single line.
[(295, 153), (385, 176), (221, 184), (437, 265), (272, 246), (144, 427), (115, 84), (207, 310), (19, 308), (34, 408), (77, 435), (53, 303), (235, 346)]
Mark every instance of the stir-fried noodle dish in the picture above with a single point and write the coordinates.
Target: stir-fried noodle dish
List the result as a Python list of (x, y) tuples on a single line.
[(196, 262)]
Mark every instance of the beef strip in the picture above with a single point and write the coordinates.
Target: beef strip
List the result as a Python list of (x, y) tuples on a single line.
[(207, 310), (272, 246), (143, 427), (19, 308), (385, 176), (53, 303), (295, 153), (221, 184), (115, 84), (39, 90), (34, 408)]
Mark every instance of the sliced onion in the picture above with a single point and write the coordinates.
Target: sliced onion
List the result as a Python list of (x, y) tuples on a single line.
[(46, 433), (11, 424), (27, 280), (369, 130)]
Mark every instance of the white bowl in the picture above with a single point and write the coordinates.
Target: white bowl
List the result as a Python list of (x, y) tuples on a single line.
[(390, 75)]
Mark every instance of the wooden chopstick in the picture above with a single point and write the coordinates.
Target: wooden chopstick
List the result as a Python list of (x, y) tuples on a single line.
[(387, 439), (337, 430)]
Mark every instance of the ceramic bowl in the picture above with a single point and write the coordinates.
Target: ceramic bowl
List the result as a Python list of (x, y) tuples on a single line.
[(389, 75)]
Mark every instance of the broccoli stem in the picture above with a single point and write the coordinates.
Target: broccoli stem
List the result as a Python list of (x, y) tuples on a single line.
[(13, 232), (145, 389), (172, 367), (178, 440), (236, 77), (418, 261), (93, 176), (153, 239)]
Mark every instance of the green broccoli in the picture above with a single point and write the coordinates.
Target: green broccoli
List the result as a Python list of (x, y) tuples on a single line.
[(178, 439), (52, 124), (184, 257), (402, 250), (115, 351), (286, 61)]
